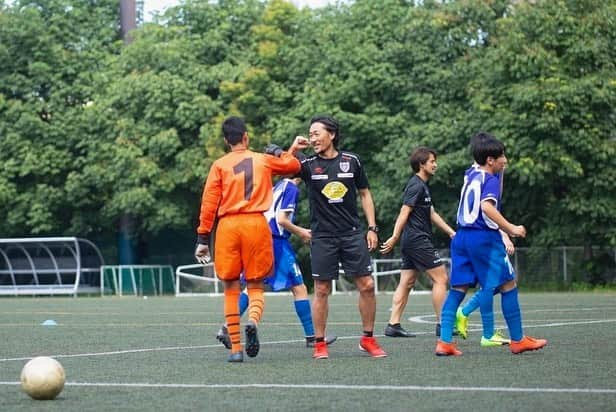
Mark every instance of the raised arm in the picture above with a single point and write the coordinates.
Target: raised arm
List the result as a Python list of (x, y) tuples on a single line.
[(300, 143)]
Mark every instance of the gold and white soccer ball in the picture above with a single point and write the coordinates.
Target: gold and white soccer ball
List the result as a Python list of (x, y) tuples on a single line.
[(42, 378)]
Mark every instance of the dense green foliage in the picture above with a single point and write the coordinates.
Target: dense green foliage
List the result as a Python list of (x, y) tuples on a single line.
[(92, 130)]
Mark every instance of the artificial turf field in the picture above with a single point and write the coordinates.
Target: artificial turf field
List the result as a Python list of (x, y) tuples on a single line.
[(133, 354)]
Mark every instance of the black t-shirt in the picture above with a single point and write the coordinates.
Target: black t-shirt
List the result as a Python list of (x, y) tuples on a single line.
[(332, 191), (419, 225)]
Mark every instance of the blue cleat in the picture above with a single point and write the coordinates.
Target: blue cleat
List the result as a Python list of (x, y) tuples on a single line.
[(236, 357)]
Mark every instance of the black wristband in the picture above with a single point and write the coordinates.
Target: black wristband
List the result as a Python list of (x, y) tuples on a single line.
[(203, 239), (374, 229)]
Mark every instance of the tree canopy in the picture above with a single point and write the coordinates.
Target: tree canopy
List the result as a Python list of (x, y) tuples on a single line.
[(92, 130)]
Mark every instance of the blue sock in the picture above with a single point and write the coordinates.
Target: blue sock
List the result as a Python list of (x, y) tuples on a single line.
[(302, 308), (486, 306), (511, 312), (472, 304), (448, 314), (243, 302)]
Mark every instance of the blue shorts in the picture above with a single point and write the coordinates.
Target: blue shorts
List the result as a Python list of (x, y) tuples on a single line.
[(286, 271), (479, 256)]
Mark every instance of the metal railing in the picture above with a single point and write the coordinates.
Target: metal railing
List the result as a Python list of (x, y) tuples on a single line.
[(48, 266)]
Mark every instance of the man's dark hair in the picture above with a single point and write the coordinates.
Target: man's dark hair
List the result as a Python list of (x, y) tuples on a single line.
[(330, 124), (420, 156), (233, 128), (484, 145)]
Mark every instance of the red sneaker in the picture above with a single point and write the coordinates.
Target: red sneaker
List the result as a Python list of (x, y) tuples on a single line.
[(320, 350), (527, 343), (446, 349), (369, 344)]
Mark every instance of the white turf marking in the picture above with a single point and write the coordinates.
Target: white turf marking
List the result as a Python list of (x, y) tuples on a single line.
[(417, 319), (427, 319), (333, 387), (161, 349)]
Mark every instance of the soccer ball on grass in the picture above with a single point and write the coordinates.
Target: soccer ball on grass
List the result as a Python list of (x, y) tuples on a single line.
[(42, 378)]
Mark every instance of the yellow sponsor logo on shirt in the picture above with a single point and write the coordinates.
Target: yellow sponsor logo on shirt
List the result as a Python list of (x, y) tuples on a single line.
[(334, 190)]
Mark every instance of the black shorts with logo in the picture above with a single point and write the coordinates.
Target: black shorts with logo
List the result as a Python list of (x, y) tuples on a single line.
[(420, 255), (350, 250)]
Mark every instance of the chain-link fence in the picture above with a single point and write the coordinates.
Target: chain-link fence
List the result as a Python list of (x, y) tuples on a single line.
[(558, 268)]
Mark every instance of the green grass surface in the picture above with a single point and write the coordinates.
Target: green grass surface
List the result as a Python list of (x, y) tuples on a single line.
[(113, 348)]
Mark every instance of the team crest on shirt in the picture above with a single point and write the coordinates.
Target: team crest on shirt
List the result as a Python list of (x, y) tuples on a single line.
[(345, 166), (334, 191)]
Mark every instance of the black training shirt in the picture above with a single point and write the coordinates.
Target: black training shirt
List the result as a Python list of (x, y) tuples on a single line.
[(332, 191), (419, 224)]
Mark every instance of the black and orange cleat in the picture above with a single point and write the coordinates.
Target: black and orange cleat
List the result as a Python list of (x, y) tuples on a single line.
[(252, 340)]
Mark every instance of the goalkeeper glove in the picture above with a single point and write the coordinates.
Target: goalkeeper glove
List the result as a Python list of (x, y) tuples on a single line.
[(273, 149)]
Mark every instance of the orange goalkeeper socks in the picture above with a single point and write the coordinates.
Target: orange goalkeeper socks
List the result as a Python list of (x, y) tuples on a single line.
[(232, 317), (256, 304)]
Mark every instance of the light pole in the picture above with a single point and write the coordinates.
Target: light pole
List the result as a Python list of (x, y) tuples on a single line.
[(128, 18), (126, 228)]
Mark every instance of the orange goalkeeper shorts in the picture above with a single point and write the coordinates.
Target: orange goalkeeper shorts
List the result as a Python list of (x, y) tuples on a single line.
[(243, 243)]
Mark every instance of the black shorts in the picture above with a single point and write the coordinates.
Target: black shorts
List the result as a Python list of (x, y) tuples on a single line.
[(349, 250), (420, 256)]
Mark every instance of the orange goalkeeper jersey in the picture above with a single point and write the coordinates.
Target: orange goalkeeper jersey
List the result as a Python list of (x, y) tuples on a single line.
[(241, 182)]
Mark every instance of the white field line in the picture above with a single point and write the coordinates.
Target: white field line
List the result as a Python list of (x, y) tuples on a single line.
[(418, 319), (429, 319), (159, 349), (328, 387)]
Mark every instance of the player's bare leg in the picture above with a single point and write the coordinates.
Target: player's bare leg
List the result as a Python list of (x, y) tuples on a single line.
[(320, 306), (398, 304), (320, 311), (367, 310), (439, 289)]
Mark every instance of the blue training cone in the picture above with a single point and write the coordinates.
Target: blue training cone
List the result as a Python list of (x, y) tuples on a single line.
[(49, 322)]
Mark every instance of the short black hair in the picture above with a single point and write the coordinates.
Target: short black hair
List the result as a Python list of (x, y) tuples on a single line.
[(484, 145), (233, 129), (330, 124), (420, 156)]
